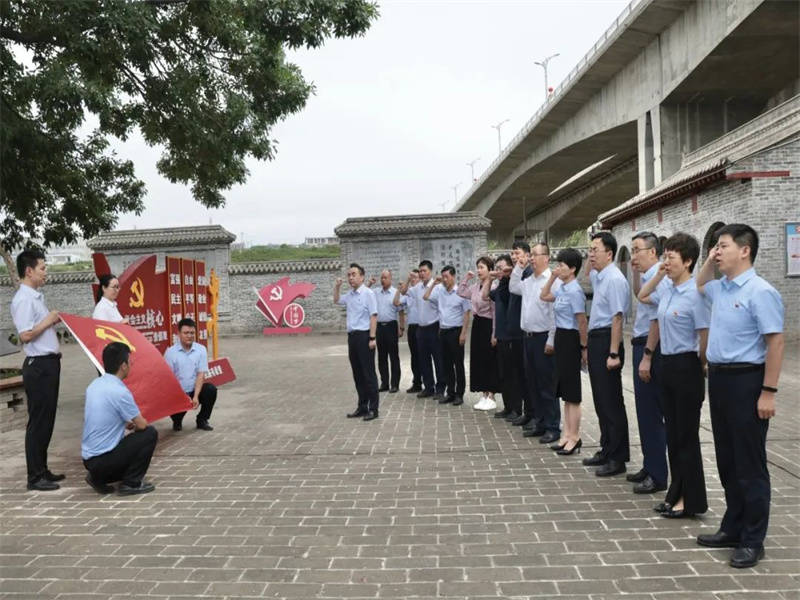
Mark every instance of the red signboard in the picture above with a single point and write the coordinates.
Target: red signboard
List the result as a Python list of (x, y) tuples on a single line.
[(276, 303), (187, 283), (220, 372), (154, 387), (174, 296), (201, 301)]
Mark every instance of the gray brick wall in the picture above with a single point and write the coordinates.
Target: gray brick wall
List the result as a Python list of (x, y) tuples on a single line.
[(765, 203)]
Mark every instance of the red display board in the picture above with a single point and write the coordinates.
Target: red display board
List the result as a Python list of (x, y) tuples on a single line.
[(175, 296), (187, 281), (201, 301), (276, 303)]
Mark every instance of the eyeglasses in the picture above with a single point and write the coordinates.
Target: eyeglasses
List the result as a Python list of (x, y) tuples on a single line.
[(114, 287), (637, 250)]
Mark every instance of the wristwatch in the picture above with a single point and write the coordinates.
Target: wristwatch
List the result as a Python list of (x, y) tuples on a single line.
[(371, 339), (647, 351), (613, 355), (584, 347)]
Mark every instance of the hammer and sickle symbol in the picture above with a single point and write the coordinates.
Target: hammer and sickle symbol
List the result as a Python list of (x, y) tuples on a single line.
[(137, 289), (276, 294), (112, 335)]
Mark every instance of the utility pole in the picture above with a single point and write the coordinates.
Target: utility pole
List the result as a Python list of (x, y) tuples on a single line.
[(499, 143), (543, 64), (525, 218), (471, 166), (455, 192)]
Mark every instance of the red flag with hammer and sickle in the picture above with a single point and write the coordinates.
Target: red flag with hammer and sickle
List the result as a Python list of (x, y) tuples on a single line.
[(154, 387), (275, 297)]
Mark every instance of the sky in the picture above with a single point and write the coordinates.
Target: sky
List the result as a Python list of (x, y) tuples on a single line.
[(396, 117)]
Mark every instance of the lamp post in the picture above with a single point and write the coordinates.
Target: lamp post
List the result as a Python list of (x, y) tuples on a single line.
[(443, 204), (455, 192), (543, 64), (471, 166), (498, 126)]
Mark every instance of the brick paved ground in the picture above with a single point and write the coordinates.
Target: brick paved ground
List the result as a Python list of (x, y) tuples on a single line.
[(288, 499)]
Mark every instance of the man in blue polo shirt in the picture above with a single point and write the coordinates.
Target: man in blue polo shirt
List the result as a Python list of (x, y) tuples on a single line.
[(745, 352), (189, 361), (108, 454)]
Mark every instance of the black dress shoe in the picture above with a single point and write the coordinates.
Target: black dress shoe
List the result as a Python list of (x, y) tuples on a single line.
[(637, 477), (358, 413), (100, 488), (557, 446), (744, 558), (204, 425), (393, 390), (502, 414), (719, 539), (130, 490), (520, 421), (671, 513), (447, 399), (414, 389), (571, 451), (458, 401), (425, 394), (42, 485), (649, 486), (371, 415), (50, 476), (611, 468), (533, 432), (177, 426), (549, 438), (383, 388), (595, 461), (662, 507)]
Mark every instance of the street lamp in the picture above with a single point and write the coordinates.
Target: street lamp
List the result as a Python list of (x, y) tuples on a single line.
[(443, 204), (471, 166), (498, 126), (455, 192), (543, 64)]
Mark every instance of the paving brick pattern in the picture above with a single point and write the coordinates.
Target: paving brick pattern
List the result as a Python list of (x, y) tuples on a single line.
[(288, 499)]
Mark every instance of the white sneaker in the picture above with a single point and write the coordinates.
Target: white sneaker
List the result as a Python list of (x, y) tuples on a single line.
[(489, 404), (480, 404)]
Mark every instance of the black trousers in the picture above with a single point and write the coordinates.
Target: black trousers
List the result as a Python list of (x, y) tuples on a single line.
[(518, 356), (362, 362), (430, 356), (650, 413), (609, 403), (128, 462), (453, 361), (41, 376), (207, 398), (388, 349), (683, 390), (507, 369), (411, 337), (540, 376), (740, 439)]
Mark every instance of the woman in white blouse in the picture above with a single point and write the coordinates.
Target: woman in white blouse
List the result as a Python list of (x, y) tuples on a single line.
[(106, 307)]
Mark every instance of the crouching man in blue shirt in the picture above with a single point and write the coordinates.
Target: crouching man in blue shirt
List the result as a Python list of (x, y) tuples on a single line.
[(108, 454)]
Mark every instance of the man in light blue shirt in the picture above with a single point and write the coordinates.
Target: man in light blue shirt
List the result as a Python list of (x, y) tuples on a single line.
[(412, 322), (745, 352), (388, 334), (362, 322), (454, 314), (189, 362), (108, 454), (606, 355)]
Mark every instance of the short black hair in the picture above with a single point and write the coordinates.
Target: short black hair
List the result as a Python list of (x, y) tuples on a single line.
[(742, 235), (426, 263), (685, 245), (609, 242), (521, 245), (186, 322), (357, 266), (506, 258), (104, 280), (28, 258), (415, 271), (115, 355), (449, 269), (572, 258), (650, 239)]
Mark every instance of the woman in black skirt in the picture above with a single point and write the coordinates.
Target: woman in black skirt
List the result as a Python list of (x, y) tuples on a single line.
[(482, 361), (570, 343)]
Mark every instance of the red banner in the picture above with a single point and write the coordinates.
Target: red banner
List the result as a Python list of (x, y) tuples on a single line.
[(220, 372), (174, 295), (154, 387), (201, 301), (187, 288)]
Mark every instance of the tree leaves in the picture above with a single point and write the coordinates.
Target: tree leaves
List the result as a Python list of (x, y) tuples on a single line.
[(205, 80)]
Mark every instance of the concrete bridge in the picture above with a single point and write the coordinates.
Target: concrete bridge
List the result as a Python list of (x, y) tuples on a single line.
[(667, 77)]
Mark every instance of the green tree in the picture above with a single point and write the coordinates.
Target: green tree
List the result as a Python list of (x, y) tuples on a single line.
[(205, 80)]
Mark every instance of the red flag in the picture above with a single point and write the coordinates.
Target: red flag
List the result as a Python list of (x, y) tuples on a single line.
[(154, 387), (275, 297)]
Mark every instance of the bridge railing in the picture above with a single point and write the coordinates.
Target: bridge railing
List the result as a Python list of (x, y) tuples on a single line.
[(573, 75)]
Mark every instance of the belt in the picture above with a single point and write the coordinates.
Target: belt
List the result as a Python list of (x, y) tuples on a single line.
[(357, 331), (446, 329), (639, 341), (601, 332), (54, 356), (436, 324), (384, 323), (734, 368), (535, 333)]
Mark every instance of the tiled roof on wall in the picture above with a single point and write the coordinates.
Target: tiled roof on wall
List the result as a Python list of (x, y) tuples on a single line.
[(413, 224), (285, 266), (168, 236)]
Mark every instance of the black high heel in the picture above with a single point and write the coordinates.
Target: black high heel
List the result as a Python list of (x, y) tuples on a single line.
[(571, 451), (557, 446)]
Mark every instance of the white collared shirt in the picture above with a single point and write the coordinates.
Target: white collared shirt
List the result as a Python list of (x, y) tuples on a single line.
[(27, 310), (537, 315), (106, 310)]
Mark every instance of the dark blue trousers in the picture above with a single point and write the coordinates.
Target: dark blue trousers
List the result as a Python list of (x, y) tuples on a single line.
[(540, 376), (609, 403), (430, 357), (740, 439), (362, 362), (650, 414)]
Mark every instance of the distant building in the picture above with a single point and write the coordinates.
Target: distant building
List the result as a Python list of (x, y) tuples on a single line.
[(321, 241), (64, 254)]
